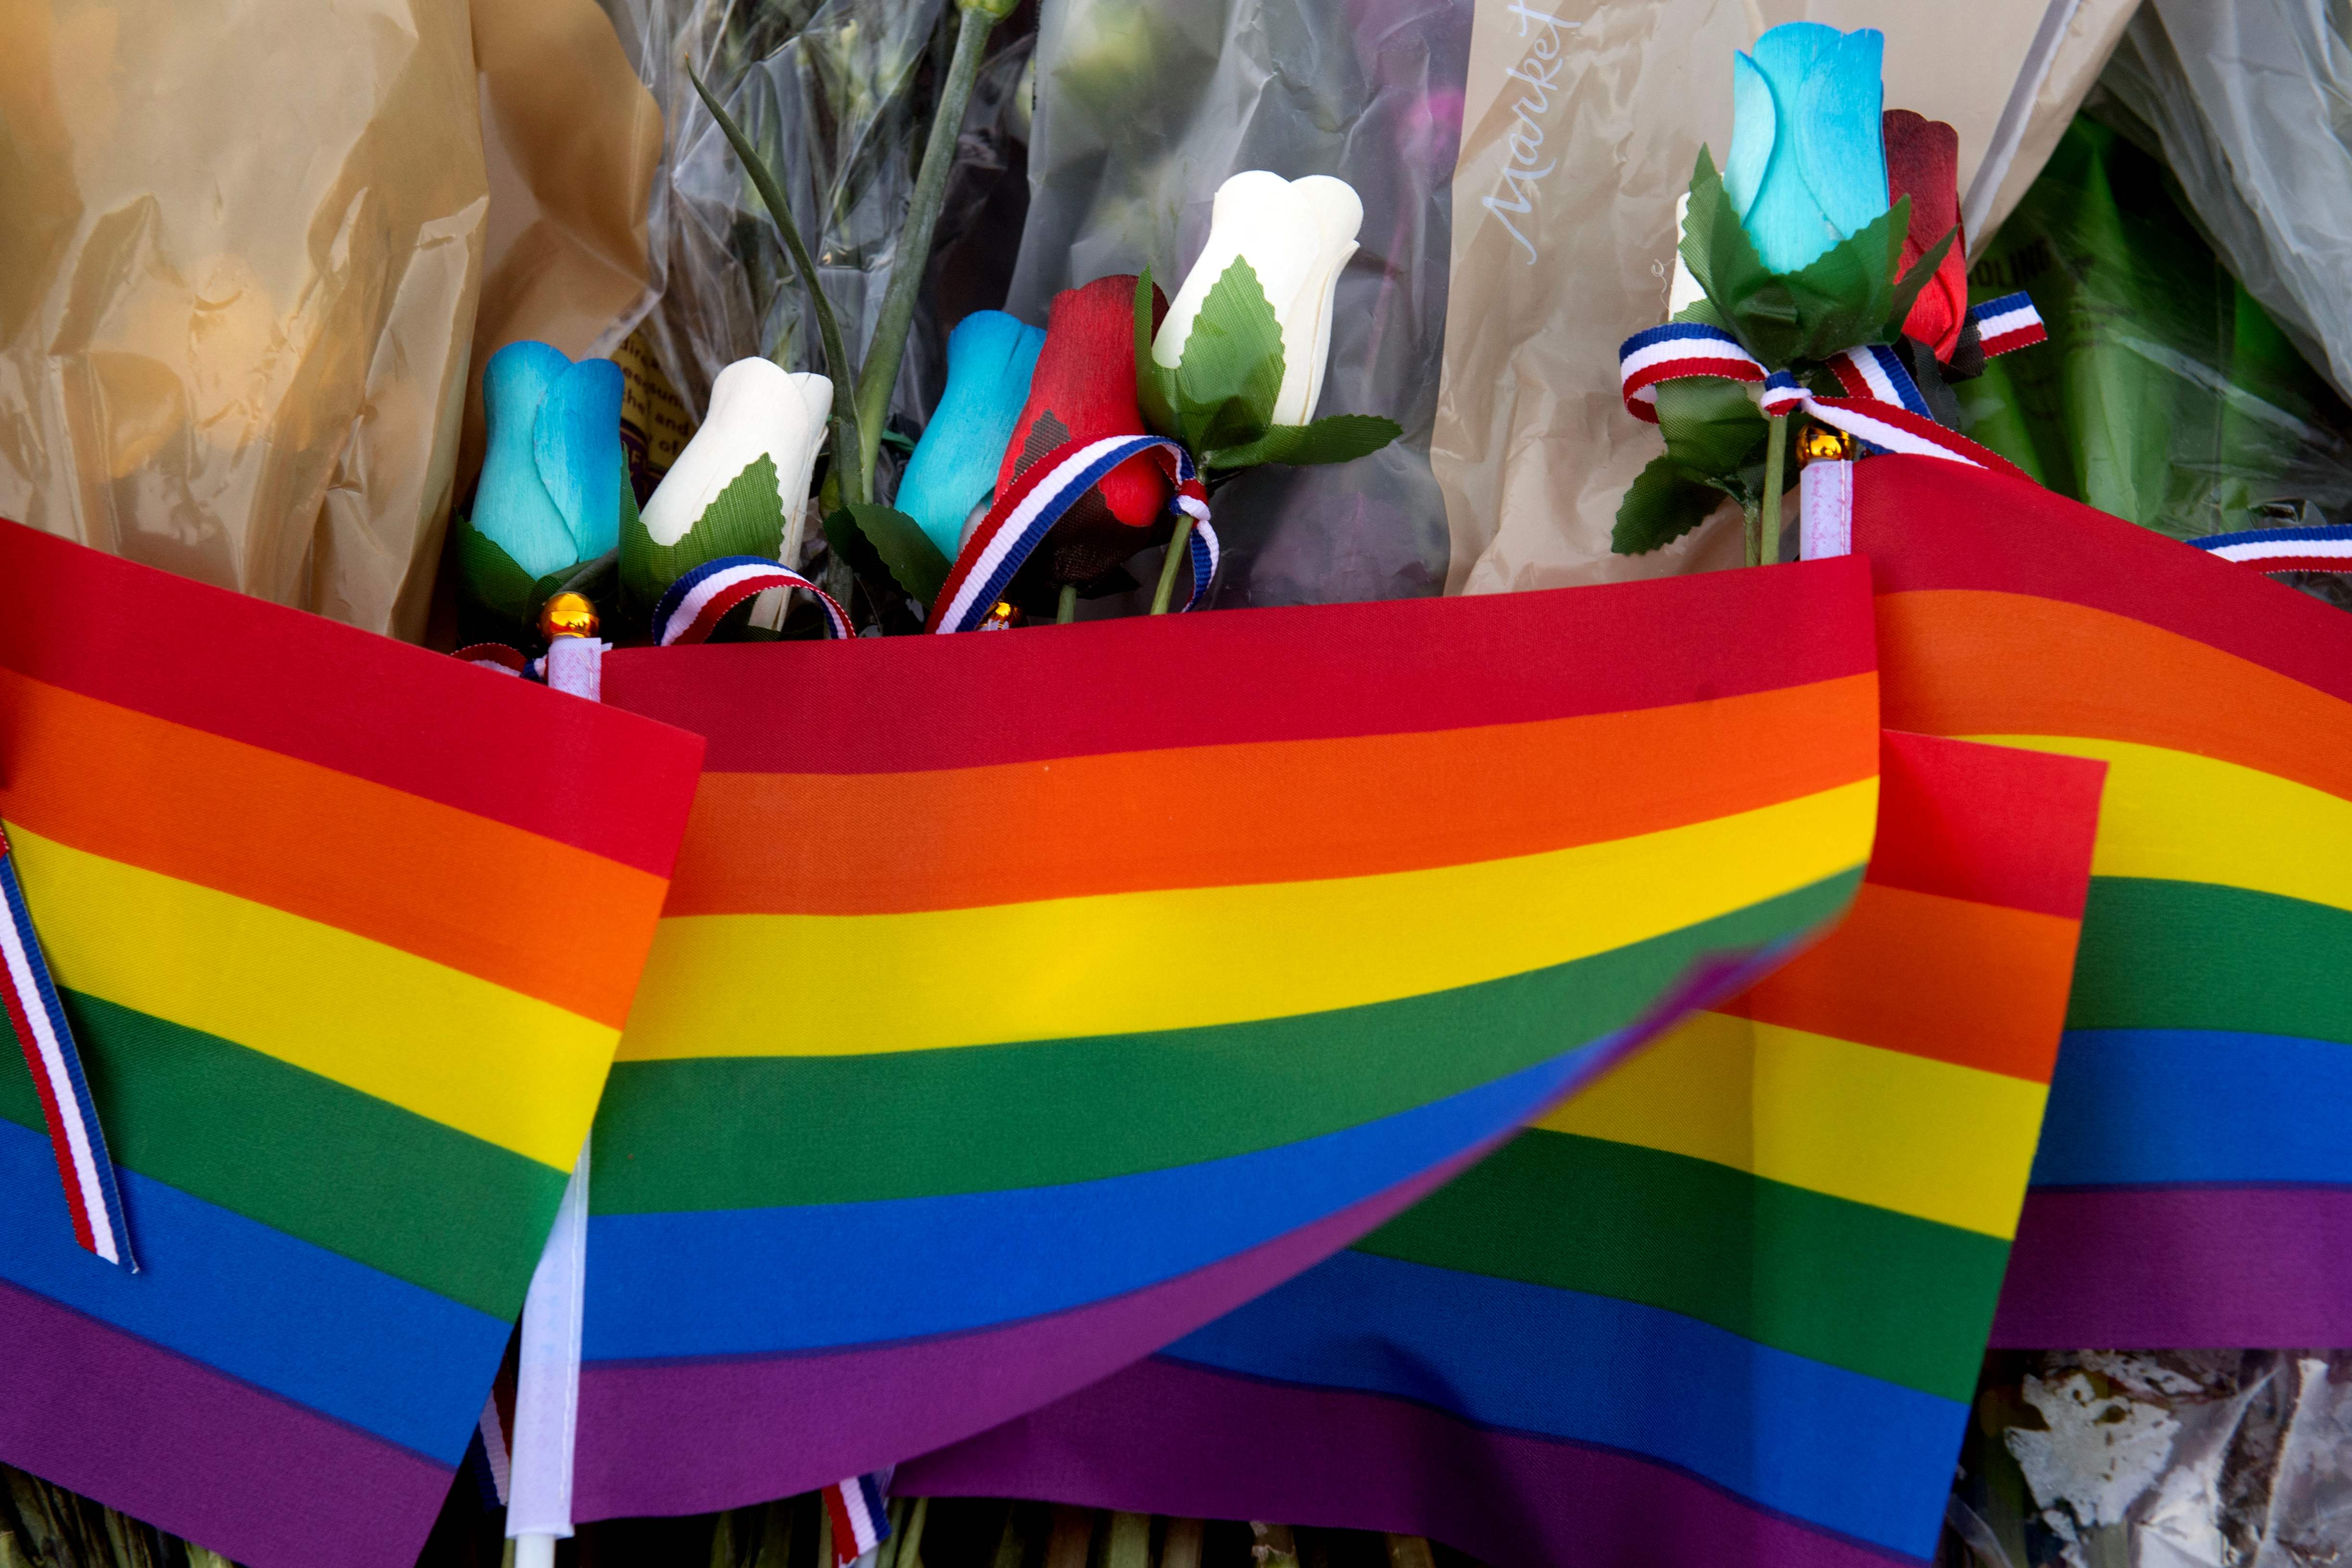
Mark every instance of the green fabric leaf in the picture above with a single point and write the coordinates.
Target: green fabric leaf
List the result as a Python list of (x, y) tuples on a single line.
[(1231, 371), (897, 543), (1906, 292), (1660, 507), (640, 590), (1840, 300), (1155, 388), (745, 519), (1712, 428), (1722, 260), (490, 578), (1342, 438)]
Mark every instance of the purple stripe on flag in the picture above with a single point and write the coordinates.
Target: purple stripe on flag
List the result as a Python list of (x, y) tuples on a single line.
[(1223, 1447), (2180, 1267), (693, 1436), (169, 1440)]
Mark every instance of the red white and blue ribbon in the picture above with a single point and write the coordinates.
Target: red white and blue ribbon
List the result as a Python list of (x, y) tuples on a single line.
[(859, 1509), (2327, 548), (1672, 351), (1885, 411), (1877, 372), (2008, 323), (691, 610), (1021, 517), (30, 999)]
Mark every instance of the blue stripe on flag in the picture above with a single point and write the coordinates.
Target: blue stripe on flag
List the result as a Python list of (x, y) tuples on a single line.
[(2134, 1106), (673, 1284), (1794, 1435), (325, 1333)]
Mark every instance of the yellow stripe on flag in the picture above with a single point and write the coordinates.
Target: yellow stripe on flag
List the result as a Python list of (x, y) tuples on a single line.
[(787, 985), (1923, 1137), (2180, 817), (508, 1069)]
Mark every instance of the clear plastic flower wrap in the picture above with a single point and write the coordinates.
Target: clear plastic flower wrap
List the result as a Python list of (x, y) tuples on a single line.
[(834, 94), (2246, 98)]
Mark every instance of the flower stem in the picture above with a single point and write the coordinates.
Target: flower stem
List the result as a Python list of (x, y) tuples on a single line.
[(846, 437), (1070, 606), (910, 1548), (889, 345), (1179, 554), (1776, 479)]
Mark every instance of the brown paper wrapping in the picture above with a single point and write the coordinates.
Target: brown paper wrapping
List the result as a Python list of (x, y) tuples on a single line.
[(1581, 120), (571, 139), (240, 269)]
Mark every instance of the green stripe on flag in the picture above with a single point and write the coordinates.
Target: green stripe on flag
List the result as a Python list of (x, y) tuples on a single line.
[(1886, 1294), (764, 1132), (307, 1155), (2194, 955)]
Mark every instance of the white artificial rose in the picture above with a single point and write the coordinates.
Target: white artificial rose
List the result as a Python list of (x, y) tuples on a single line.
[(757, 409), (1296, 236)]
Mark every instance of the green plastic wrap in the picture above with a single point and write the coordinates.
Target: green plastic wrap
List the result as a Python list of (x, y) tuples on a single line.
[(2166, 394)]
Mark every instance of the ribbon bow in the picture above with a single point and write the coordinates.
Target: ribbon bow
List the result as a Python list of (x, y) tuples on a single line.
[(1882, 407)]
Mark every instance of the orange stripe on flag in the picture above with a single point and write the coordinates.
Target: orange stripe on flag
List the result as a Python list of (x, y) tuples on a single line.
[(1272, 811), (1972, 661), (1992, 1012), (447, 885)]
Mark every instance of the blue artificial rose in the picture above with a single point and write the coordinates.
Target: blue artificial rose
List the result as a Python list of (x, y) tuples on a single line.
[(991, 357), (551, 489), (1807, 167)]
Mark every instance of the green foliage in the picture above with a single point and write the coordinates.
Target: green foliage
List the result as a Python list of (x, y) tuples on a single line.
[(882, 542), (746, 519), (1716, 438), (1848, 296), (1231, 370), (1660, 507), (1219, 399), (1716, 442), (848, 430), (1155, 384), (1342, 438), (489, 578)]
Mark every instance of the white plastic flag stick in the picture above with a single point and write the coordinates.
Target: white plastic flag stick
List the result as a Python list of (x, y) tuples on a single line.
[(547, 1383), (1825, 509)]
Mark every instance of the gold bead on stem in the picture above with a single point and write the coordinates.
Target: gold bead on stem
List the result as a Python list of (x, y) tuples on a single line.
[(567, 615)]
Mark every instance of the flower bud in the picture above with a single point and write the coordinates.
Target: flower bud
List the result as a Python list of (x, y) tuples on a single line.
[(757, 410), (551, 489), (1806, 168), (1296, 236), (991, 358), (1923, 163)]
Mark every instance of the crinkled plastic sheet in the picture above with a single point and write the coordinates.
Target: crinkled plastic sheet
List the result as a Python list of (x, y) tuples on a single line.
[(2166, 394), (1144, 107), (2224, 1458), (240, 252), (821, 87), (2253, 101)]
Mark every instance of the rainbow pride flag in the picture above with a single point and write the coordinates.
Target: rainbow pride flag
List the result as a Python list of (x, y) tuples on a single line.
[(346, 932), (1724, 1308), (1024, 1002), (2194, 1186)]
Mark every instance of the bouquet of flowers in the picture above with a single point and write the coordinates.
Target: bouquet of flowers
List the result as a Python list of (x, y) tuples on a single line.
[(1820, 273), (1056, 457)]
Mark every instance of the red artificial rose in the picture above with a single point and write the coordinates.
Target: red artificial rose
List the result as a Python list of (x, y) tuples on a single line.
[(1084, 389), (1923, 163)]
